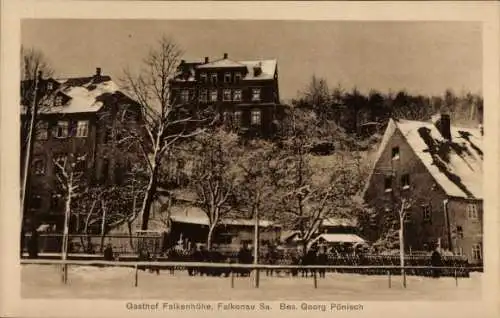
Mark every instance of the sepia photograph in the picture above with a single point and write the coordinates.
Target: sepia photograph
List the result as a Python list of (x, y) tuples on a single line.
[(251, 165)]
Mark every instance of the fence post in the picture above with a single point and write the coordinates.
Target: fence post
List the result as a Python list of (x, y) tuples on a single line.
[(257, 277), (389, 277), (315, 279), (232, 278), (65, 273), (456, 278), (404, 277), (136, 269)]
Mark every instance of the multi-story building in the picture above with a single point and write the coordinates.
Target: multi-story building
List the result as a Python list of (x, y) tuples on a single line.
[(244, 93), (75, 120), (437, 168)]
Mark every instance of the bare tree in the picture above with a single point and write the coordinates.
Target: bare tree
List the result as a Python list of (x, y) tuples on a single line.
[(34, 67), (215, 177), (164, 121), (69, 181)]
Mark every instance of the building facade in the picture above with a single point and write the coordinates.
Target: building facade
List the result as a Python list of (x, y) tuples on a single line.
[(75, 128), (245, 94), (437, 168)]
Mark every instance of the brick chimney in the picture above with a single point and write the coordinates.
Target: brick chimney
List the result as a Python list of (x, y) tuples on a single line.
[(225, 56), (257, 69), (98, 71), (206, 60), (443, 124)]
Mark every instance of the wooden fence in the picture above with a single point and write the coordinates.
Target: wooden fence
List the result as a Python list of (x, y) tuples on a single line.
[(235, 268)]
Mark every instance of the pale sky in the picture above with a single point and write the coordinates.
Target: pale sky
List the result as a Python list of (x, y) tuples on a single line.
[(421, 57)]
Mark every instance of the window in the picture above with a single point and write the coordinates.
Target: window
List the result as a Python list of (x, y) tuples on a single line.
[(213, 78), (203, 77), (226, 95), (39, 167), (60, 159), (395, 153), (388, 183), (228, 117), (81, 163), (213, 95), (237, 118), (36, 202), (237, 77), (227, 77), (405, 181), (185, 96), (255, 94), (61, 130), (55, 201), (256, 117), (82, 128), (43, 130), (407, 216), (460, 232), (58, 100), (237, 95), (458, 251), (427, 213), (203, 96), (50, 86), (472, 211), (476, 251)]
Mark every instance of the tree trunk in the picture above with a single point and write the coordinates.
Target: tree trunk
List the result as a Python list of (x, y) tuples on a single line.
[(210, 235), (402, 249), (256, 241), (148, 198), (67, 214), (103, 228)]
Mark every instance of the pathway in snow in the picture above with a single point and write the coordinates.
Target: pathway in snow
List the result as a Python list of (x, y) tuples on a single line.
[(44, 281)]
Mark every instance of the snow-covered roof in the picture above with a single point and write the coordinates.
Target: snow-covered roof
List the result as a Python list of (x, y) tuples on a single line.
[(221, 63), (268, 68), (85, 95), (339, 238), (456, 164), (194, 215), (338, 222)]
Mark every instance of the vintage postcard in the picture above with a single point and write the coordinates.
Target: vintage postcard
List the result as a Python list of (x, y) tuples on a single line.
[(253, 158)]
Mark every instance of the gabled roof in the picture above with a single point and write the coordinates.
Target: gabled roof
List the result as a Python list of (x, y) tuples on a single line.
[(85, 95), (456, 165)]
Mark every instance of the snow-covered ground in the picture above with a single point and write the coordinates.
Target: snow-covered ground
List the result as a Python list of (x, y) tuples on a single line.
[(44, 281)]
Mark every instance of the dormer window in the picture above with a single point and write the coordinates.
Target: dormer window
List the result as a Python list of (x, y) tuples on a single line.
[(395, 153), (227, 77), (58, 100)]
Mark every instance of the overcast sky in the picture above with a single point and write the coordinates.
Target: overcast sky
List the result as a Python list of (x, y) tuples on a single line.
[(421, 57)]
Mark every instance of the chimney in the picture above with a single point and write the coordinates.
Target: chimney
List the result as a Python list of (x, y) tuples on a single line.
[(98, 71), (481, 129), (444, 126), (257, 69), (206, 59), (225, 55)]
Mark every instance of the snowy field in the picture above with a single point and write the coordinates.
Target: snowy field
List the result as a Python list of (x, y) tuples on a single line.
[(44, 281)]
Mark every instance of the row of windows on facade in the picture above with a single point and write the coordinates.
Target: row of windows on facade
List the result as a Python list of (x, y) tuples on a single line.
[(212, 95), (40, 164), (476, 251), (228, 77), (472, 213), (61, 129)]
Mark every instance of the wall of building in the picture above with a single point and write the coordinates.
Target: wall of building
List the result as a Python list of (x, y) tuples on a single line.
[(472, 228), (423, 189)]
